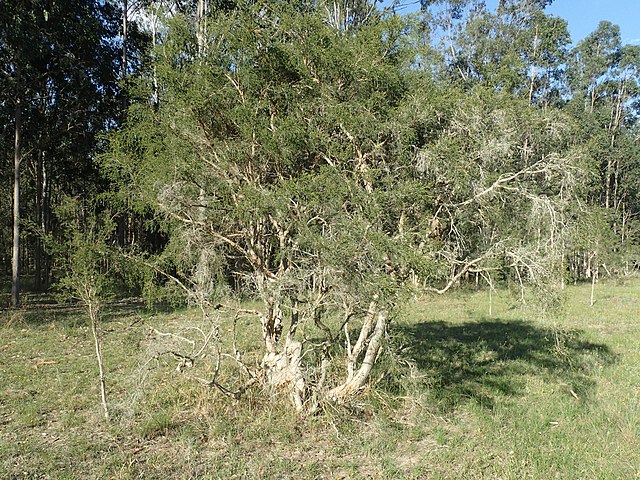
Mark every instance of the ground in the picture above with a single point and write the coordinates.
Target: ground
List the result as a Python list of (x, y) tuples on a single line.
[(458, 394)]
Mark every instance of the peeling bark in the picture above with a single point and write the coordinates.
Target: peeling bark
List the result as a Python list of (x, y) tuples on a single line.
[(283, 371), (360, 378)]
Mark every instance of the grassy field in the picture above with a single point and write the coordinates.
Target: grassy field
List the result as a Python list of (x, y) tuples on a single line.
[(459, 395)]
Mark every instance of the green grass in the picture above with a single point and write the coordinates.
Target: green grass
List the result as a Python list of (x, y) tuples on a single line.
[(459, 394)]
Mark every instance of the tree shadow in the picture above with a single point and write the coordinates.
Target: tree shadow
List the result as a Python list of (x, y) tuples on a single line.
[(492, 358), (39, 309)]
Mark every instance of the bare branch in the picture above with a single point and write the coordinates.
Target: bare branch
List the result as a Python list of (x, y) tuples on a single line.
[(503, 180), (467, 266)]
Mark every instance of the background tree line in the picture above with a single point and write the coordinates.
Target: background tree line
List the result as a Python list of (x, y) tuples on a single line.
[(322, 156)]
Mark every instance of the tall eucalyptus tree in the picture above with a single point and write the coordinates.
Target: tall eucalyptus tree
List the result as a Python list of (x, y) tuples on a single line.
[(61, 62)]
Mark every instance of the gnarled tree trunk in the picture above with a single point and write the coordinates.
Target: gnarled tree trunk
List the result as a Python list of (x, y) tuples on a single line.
[(357, 379)]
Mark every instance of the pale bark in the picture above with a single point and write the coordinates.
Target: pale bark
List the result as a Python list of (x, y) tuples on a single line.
[(360, 378), (592, 300), (533, 68), (455, 277), (354, 353), (93, 310), (282, 365), (201, 26), (38, 253), (125, 35), (154, 42), (15, 258), (594, 267), (284, 370)]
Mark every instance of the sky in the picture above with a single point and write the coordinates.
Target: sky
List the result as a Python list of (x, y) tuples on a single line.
[(583, 15)]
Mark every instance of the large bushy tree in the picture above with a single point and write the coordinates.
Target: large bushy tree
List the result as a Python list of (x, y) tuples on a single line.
[(311, 166)]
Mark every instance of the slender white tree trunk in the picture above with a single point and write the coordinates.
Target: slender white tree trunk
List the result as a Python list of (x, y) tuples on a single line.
[(125, 37), (533, 67), (94, 316), (594, 275), (201, 25), (15, 258)]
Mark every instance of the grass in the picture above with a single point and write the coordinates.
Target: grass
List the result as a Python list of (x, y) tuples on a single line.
[(459, 394)]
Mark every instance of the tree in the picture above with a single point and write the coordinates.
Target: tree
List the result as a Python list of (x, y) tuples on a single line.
[(313, 169), (15, 54), (92, 272), (593, 58), (604, 81), (88, 283), (64, 92), (344, 15), (15, 258), (277, 167), (504, 177), (518, 48)]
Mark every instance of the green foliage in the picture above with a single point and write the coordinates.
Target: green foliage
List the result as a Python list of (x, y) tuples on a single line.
[(92, 271), (59, 61), (294, 131), (595, 55), (316, 166), (323, 157)]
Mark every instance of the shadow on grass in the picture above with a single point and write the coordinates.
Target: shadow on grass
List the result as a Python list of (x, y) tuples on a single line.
[(487, 359), (43, 308), (40, 309)]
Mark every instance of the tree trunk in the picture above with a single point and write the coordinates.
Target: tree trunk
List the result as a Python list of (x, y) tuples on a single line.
[(594, 276), (15, 259), (94, 315), (282, 366), (284, 370), (154, 41), (125, 34), (37, 247), (533, 67), (607, 194), (201, 26), (546, 90), (46, 223), (617, 124), (357, 381)]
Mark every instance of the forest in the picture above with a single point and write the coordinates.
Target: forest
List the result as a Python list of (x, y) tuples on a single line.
[(320, 156), (295, 174)]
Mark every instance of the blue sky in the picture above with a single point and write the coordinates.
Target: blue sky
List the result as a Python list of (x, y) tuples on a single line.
[(583, 15)]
